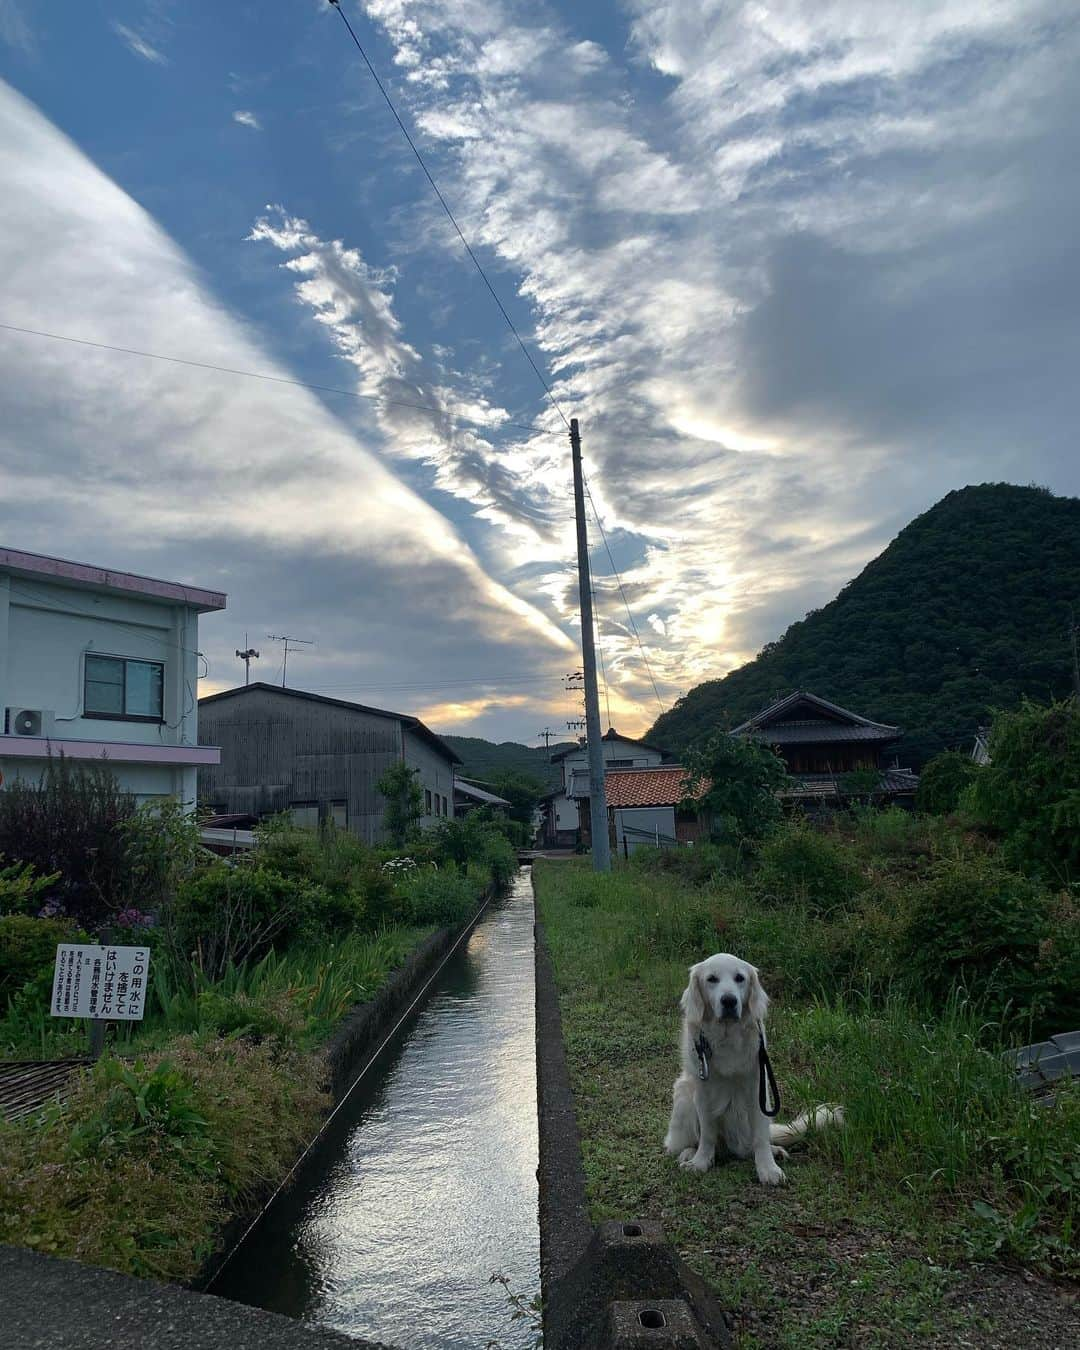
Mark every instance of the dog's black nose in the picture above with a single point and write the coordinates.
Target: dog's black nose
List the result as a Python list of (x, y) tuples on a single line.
[(729, 1003)]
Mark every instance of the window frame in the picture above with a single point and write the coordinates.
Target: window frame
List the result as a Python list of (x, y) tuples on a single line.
[(125, 716), (427, 802)]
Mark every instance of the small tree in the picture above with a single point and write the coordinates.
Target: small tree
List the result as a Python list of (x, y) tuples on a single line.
[(522, 791), (1030, 790), (404, 802), (943, 780), (737, 782)]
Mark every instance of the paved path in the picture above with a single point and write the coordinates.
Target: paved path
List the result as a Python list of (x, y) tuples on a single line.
[(54, 1304)]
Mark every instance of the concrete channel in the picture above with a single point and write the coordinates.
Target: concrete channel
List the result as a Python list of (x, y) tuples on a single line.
[(424, 1186)]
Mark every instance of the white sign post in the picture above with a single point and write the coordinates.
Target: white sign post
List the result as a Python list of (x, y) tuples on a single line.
[(106, 984)]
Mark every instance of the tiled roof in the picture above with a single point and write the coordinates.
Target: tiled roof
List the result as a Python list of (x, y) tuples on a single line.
[(610, 735), (894, 782), (664, 786), (817, 733), (775, 713)]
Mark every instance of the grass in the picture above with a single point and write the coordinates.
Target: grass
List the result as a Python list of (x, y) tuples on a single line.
[(943, 1162)]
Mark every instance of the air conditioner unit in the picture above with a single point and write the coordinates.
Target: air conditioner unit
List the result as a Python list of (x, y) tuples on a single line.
[(29, 722)]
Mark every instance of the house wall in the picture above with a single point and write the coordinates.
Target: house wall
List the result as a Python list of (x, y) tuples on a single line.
[(281, 753), (48, 628), (436, 775), (635, 757)]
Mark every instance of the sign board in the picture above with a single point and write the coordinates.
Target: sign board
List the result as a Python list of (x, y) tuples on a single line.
[(103, 982)]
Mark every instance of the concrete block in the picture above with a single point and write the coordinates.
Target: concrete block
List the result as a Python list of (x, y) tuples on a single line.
[(657, 1324), (1030, 1055), (1067, 1042)]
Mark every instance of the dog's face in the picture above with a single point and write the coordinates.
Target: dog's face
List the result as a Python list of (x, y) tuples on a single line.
[(725, 989)]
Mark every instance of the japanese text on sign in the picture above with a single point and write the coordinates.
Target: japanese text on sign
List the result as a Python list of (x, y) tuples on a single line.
[(105, 982)]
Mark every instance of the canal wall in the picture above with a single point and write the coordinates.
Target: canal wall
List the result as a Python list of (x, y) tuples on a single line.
[(620, 1285)]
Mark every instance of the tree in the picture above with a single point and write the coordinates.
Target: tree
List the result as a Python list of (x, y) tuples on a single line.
[(1030, 790), (943, 780), (522, 791), (736, 781), (404, 802)]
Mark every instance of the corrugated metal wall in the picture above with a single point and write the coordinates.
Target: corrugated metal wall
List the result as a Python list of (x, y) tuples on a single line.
[(278, 750)]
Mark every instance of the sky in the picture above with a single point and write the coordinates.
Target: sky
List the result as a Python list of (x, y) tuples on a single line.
[(799, 268)]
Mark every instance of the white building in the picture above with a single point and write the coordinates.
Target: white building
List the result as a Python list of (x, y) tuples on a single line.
[(95, 665), (561, 808)]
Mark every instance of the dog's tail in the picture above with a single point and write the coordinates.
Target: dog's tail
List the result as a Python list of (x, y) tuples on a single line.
[(820, 1118)]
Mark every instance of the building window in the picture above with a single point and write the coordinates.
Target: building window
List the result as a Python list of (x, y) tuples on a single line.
[(305, 815), (338, 812), (444, 810), (620, 763), (427, 801), (130, 691)]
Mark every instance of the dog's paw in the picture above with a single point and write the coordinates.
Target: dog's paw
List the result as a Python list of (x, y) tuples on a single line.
[(771, 1176), (780, 1154), (693, 1161)]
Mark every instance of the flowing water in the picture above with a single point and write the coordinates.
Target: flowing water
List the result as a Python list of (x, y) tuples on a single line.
[(425, 1183)]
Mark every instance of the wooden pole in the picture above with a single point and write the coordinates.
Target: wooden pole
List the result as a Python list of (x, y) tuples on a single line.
[(601, 844)]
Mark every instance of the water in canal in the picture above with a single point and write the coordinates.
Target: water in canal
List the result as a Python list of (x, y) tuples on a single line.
[(425, 1183)]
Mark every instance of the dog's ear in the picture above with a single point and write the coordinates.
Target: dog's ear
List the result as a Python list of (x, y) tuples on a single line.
[(757, 1004), (692, 1002)]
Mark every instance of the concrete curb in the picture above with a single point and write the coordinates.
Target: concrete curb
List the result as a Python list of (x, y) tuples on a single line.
[(52, 1303), (619, 1286)]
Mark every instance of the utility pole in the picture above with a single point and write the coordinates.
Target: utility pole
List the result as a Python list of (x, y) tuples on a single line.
[(248, 655), (286, 639), (601, 845), (546, 736)]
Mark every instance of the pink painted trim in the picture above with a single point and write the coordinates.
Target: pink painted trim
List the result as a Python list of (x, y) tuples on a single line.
[(40, 747), (59, 569)]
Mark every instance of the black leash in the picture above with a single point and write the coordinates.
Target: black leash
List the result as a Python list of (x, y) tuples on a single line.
[(765, 1074), (766, 1078)]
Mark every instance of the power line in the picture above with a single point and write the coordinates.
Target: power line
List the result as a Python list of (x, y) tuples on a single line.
[(450, 215), (276, 379)]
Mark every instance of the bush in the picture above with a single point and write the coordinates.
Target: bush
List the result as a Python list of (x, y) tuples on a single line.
[(21, 890), (800, 865), (440, 898), (71, 823), (475, 839), (28, 951), (943, 780), (975, 925), (1030, 791), (229, 915), (736, 782), (697, 866), (359, 892)]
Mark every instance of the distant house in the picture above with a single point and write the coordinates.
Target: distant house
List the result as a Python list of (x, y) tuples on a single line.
[(821, 743), (562, 818), (101, 665), (470, 797), (646, 810), (318, 758)]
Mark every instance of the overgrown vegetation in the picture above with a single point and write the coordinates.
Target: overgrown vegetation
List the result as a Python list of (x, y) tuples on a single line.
[(902, 956), (254, 961), (967, 610)]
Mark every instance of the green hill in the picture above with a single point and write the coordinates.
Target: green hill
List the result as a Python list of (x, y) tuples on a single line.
[(485, 760), (968, 609)]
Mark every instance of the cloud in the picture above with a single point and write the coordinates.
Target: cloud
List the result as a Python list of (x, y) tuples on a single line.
[(253, 488), (811, 283), (247, 119), (138, 44)]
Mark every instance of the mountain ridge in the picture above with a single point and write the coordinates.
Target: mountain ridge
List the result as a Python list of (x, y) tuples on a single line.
[(966, 610)]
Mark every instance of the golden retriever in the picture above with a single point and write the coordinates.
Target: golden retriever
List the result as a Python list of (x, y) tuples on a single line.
[(716, 1095)]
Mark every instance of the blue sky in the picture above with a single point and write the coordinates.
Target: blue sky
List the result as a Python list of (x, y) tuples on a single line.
[(800, 269)]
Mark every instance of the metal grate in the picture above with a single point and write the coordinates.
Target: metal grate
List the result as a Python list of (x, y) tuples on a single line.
[(27, 1085)]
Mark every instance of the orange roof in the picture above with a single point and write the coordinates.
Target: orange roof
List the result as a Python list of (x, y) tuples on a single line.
[(663, 786)]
